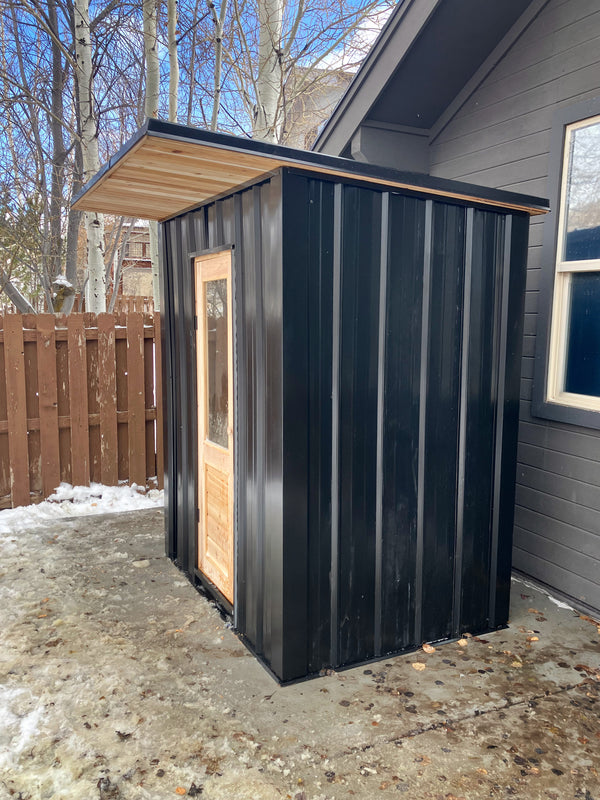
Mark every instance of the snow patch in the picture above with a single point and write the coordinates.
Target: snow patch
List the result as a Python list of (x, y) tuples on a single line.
[(560, 603), (60, 280), (76, 501), (539, 589), (17, 727)]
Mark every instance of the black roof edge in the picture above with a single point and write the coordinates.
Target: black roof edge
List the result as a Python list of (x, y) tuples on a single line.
[(417, 180)]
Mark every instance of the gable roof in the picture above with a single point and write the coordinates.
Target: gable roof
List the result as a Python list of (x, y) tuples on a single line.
[(426, 53)]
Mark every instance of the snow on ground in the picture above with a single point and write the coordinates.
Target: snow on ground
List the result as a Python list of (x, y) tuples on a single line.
[(75, 501), (538, 588), (18, 725)]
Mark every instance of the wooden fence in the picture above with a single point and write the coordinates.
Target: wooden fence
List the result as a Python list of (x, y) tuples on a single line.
[(81, 402)]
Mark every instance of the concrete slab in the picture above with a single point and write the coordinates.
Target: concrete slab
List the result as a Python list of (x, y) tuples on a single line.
[(118, 680)]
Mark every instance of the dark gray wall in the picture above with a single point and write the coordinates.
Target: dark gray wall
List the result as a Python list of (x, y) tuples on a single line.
[(500, 137)]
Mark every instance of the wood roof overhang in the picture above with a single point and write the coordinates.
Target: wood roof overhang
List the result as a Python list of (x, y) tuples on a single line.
[(167, 169)]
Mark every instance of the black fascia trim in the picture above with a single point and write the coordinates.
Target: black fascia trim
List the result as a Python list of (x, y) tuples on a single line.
[(299, 158), (540, 406)]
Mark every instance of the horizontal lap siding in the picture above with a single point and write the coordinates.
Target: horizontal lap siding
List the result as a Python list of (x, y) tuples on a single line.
[(501, 138)]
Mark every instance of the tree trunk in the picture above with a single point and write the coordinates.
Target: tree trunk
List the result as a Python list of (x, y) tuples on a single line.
[(155, 258), (270, 73), (59, 153), (150, 14), (94, 223), (73, 226), (173, 60), (219, 22), (19, 301)]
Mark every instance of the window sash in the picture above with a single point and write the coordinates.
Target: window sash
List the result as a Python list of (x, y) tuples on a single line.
[(557, 362)]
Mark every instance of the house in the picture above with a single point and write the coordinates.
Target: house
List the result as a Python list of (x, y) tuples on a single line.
[(136, 264), (507, 95), (315, 94), (129, 246), (341, 373)]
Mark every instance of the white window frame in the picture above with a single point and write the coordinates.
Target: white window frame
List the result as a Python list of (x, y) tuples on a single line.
[(557, 361)]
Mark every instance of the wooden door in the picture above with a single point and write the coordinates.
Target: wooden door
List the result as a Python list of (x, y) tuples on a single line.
[(214, 349)]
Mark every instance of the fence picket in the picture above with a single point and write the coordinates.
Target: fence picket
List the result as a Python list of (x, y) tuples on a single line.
[(48, 402), (135, 398), (108, 400), (16, 410), (78, 401)]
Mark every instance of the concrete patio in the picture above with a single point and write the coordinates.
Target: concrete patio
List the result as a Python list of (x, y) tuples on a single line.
[(119, 680)]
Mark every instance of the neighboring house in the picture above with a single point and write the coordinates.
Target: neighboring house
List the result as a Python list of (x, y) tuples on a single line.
[(136, 267), (507, 94), (315, 94)]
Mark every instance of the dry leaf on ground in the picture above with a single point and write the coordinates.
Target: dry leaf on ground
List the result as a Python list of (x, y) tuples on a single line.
[(418, 665), (463, 642), (427, 648)]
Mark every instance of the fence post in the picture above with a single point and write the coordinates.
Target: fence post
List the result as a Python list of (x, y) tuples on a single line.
[(16, 410), (107, 385), (135, 399), (78, 401)]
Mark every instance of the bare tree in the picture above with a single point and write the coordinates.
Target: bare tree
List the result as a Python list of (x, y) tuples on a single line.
[(94, 223), (75, 85)]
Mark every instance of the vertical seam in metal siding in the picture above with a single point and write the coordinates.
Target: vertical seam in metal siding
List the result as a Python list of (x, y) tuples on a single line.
[(462, 423), (385, 206), (500, 418), (335, 419), (423, 384), (167, 383), (238, 323), (260, 433)]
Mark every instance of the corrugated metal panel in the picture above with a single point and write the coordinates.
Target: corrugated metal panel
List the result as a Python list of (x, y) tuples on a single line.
[(375, 415)]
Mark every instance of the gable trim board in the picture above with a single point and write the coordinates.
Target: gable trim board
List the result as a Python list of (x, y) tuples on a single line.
[(504, 128)]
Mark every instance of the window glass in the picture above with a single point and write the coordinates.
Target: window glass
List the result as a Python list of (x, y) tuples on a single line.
[(583, 349), (582, 234), (217, 361), (574, 363), (135, 249)]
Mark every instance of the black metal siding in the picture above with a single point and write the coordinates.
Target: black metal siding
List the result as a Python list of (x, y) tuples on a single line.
[(376, 397), (400, 445)]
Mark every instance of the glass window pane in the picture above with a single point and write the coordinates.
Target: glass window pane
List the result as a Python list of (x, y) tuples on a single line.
[(583, 349), (217, 388), (582, 234)]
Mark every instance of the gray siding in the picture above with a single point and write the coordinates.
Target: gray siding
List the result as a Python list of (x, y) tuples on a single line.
[(500, 137)]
